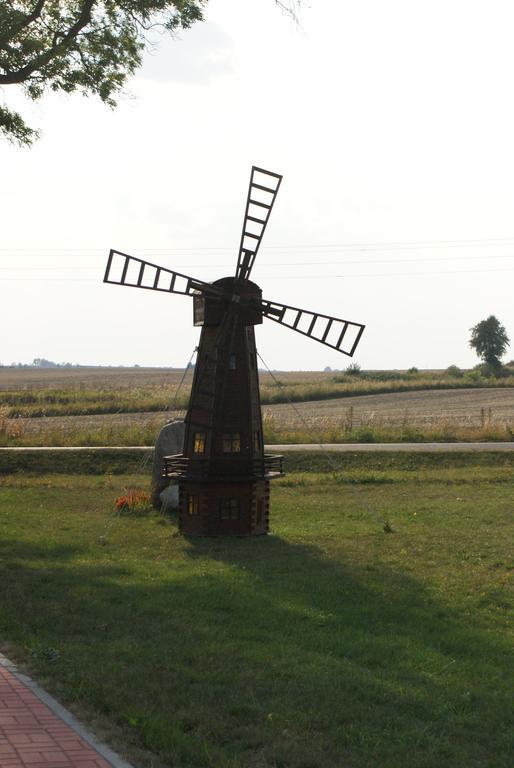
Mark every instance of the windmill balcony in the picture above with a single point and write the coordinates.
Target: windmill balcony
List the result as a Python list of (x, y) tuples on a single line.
[(181, 467)]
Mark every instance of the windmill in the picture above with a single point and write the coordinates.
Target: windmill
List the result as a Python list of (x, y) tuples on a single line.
[(223, 473)]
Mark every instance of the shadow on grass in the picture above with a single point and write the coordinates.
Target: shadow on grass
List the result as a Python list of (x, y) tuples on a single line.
[(261, 652)]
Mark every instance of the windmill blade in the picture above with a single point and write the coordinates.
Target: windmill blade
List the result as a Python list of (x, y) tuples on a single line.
[(123, 269), (262, 192), (341, 335)]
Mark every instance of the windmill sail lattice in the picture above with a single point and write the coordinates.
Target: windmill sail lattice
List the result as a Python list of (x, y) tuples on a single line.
[(262, 192), (341, 335), (123, 269)]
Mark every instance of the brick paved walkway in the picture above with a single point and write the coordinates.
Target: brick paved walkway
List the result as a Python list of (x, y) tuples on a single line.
[(32, 736)]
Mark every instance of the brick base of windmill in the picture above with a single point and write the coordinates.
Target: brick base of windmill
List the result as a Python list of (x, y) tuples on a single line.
[(240, 509), (224, 510)]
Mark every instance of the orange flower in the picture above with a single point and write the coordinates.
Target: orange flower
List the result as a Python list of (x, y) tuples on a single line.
[(131, 501)]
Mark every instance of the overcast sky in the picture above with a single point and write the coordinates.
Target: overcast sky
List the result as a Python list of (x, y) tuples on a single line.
[(393, 125)]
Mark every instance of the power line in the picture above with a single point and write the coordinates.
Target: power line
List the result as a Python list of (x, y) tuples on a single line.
[(279, 263), (364, 245), (349, 275)]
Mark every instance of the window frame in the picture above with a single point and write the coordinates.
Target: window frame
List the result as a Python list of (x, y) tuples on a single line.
[(199, 438), (193, 505), (229, 508), (233, 441)]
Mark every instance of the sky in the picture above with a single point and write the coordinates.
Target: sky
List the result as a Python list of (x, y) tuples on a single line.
[(392, 124)]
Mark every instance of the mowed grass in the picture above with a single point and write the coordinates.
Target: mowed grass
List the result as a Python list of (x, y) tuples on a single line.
[(328, 643)]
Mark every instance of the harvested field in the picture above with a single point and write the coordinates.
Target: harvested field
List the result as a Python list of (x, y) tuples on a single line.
[(122, 379), (465, 407), (82, 377), (100, 421), (468, 414), (35, 392), (462, 407), (127, 406)]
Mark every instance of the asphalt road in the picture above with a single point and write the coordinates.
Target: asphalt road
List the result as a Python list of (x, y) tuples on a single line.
[(396, 447), (337, 447)]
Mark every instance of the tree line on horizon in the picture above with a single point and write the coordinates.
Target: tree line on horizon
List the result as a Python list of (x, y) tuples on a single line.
[(489, 339)]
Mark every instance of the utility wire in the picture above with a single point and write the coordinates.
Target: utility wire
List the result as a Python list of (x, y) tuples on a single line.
[(74, 268), (458, 243), (349, 275)]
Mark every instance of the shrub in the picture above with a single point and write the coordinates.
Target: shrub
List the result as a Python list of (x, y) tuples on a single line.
[(354, 369), (455, 371), (365, 435), (473, 375), (493, 370), (413, 370)]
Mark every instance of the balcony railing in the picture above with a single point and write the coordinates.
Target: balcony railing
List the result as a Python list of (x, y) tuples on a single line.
[(182, 467)]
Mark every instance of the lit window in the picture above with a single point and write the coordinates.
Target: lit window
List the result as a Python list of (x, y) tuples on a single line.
[(199, 442), (232, 362), (193, 505), (229, 509), (231, 442)]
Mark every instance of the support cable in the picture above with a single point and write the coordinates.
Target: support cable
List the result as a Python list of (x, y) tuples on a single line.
[(357, 493), (172, 407), (148, 454)]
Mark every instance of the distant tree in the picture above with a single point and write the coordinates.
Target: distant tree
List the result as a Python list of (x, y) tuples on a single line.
[(42, 362), (490, 341), (91, 46)]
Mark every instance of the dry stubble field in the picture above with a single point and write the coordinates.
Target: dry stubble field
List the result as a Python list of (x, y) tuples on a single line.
[(466, 412)]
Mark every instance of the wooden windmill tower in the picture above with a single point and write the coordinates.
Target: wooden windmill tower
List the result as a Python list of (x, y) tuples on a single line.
[(224, 474)]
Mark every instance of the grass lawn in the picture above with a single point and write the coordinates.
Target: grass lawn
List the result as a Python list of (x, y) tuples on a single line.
[(325, 645)]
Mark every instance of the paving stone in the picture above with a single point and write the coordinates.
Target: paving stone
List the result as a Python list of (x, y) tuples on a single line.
[(36, 732)]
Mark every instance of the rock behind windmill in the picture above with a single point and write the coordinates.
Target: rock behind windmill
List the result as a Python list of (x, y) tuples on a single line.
[(223, 473)]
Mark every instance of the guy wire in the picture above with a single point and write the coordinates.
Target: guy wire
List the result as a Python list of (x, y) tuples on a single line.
[(186, 369), (147, 455), (172, 407), (355, 490)]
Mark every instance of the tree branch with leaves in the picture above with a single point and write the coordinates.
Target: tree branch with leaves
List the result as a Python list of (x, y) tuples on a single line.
[(90, 46)]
